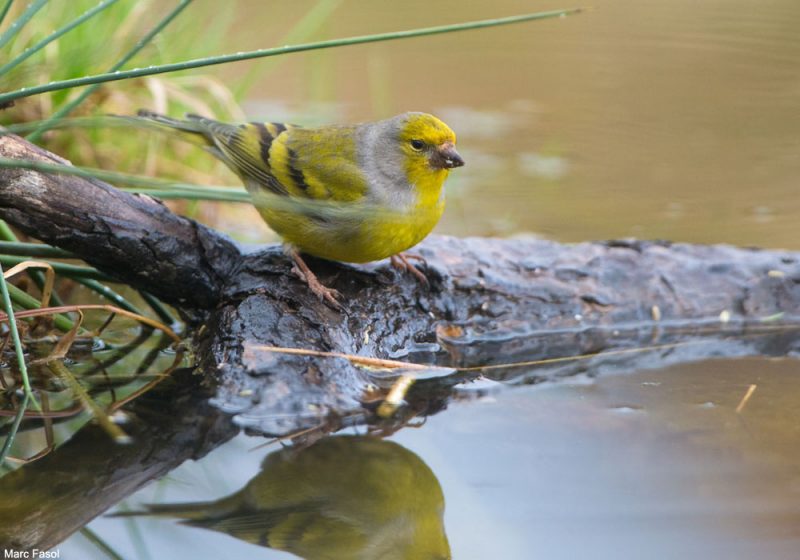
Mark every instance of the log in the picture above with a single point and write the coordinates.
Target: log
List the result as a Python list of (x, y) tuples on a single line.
[(489, 302), (134, 238)]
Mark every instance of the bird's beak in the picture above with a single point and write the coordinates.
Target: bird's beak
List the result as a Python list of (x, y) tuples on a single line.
[(446, 157)]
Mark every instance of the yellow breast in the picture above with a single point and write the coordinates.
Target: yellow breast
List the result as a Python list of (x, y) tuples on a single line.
[(372, 235)]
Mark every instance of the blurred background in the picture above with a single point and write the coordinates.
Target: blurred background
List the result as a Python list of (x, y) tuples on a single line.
[(674, 120)]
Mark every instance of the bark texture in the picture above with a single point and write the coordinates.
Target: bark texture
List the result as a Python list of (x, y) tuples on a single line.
[(133, 238)]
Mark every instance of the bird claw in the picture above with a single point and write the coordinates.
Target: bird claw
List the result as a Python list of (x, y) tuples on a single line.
[(400, 262), (330, 295), (326, 294)]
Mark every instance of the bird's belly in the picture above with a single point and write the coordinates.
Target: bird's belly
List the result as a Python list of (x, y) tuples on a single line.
[(368, 239)]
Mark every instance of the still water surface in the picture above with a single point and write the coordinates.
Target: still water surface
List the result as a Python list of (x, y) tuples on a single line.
[(655, 464), (677, 120)]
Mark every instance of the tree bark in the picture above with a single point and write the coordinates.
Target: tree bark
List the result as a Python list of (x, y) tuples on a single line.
[(133, 238), (489, 302)]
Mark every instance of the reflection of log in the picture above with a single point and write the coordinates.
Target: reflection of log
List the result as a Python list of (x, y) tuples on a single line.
[(485, 294), (46, 501)]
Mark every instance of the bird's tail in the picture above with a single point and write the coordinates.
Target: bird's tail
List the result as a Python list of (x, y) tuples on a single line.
[(186, 510), (193, 128)]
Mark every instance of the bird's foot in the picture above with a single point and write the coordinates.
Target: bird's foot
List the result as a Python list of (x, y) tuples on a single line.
[(301, 270), (400, 262)]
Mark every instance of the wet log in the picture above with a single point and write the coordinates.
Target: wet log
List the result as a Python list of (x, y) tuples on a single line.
[(134, 238), (489, 302)]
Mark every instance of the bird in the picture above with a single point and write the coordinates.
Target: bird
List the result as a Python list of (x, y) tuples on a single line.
[(342, 498), (350, 193)]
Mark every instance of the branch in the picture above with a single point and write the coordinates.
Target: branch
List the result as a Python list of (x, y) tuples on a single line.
[(134, 238)]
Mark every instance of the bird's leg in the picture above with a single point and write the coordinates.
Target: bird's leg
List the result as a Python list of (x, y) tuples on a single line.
[(400, 262), (302, 271), (413, 257)]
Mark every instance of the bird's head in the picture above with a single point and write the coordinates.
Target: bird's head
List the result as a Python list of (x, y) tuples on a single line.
[(411, 149), (428, 142)]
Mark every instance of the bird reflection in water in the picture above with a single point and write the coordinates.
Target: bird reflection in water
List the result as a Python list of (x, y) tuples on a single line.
[(345, 497)]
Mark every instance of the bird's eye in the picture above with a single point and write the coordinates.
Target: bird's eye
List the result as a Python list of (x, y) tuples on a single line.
[(417, 144)]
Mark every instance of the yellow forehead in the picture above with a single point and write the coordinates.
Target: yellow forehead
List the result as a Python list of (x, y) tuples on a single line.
[(429, 129)]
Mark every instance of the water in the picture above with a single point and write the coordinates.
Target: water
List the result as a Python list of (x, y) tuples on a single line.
[(676, 120), (657, 464)]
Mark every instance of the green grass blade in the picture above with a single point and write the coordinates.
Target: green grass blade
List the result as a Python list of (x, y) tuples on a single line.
[(109, 294), (12, 327), (309, 24), (101, 545), (40, 250), (32, 251), (201, 193), (153, 187), (261, 53), (6, 233), (37, 275), (30, 51), (26, 16), (67, 108), (161, 310), (53, 123), (71, 270), (4, 11), (27, 301), (166, 189), (81, 394), (14, 428)]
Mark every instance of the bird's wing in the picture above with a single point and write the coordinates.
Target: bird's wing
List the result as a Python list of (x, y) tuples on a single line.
[(290, 528), (321, 163), (251, 526), (317, 164), (245, 148)]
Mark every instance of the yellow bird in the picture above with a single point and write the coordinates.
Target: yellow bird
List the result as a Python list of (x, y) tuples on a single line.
[(343, 498), (354, 193)]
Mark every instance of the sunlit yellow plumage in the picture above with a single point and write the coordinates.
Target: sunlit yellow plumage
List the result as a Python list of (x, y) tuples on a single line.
[(354, 193)]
